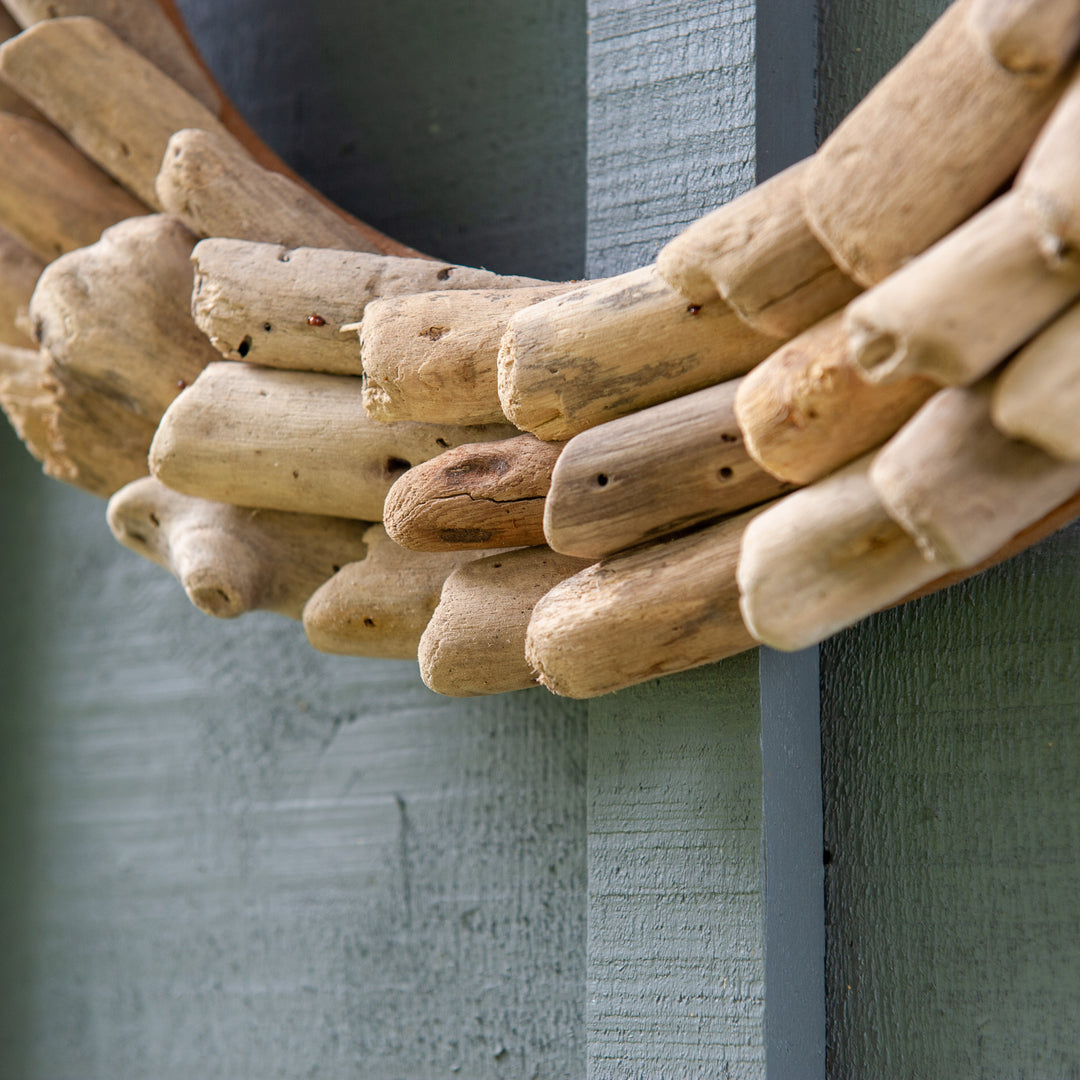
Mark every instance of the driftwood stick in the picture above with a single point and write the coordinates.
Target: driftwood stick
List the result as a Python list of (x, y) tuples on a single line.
[(290, 440), (956, 311), (659, 471), (649, 612), (823, 558), (929, 145), (285, 308), (20, 269), (112, 102), (209, 181), (482, 495), (140, 23), (613, 347), (116, 314), (51, 197), (11, 102), (759, 255), (1037, 396), (380, 605), (231, 560), (434, 356), (475, 641), (1029, 37), (958, 486), (806, 411)]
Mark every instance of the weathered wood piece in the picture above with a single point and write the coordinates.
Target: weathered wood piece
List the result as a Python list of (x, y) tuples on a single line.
[(823, 558), (1029, 37), (20, 269), (10, 101), (1037, 396), (806, 410), (231, 560), (112, 102), (659, 471), (434, 356), (209, 181), (379, 606), (925, 149), (959, 486), (116, 314), (955, 312), (759, 255), (649, 612), (475, 641), (24, 399), (613, 347), (482, 495), (285, 308), (291, 440), (51, 197)]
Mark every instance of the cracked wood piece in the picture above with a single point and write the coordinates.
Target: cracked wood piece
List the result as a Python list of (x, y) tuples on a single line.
[(475, 641), (434, 356), (481, 495), (930, 144), (1029, 37), (759, 255), (113, 103), (143, 25), (285, 308), (955, 312), (291, 440), (959, 486), (656, 472), (231, 560), (20, 269), (613, 347), (1037, 396), (209, 181), (380, 605), (51, 197), (117, 314), (806, 410), (642, 614)]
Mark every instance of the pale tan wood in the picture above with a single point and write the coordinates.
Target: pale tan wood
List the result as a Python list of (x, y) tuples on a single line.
[(482, 495), (291, 440), (823, 558), (9, 100), (653, 473), (1037, 37), (959, 486), (1037, 396), (117, 314), (806, 411), (615, 346), (20, 269), (434, 356), (380, 605), (51, 197), (958, 310), (24, 399), (140, 23), (759, 255), (209, 181), (109, 100), (475, 641), (646, 613), (270, 305), (929, 145), (232, 560)]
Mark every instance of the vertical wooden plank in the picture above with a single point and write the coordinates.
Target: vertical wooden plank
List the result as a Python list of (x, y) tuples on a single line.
[(950, 759), (675, 956)]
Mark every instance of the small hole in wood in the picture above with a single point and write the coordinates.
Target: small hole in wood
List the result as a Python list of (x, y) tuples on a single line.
[(155, 521), (244, 347), (369, 622), (397, 465), (728, 437), (267, 327), (336, 568), (601, 479), (443, 443), (445, 273), (726, 473)]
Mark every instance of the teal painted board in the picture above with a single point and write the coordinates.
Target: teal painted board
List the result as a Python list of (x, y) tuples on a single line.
[(675, 949), (951, 751), (249, 860)]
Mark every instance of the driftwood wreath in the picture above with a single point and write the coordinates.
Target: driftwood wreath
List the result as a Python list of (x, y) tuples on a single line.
[(581, 484)]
